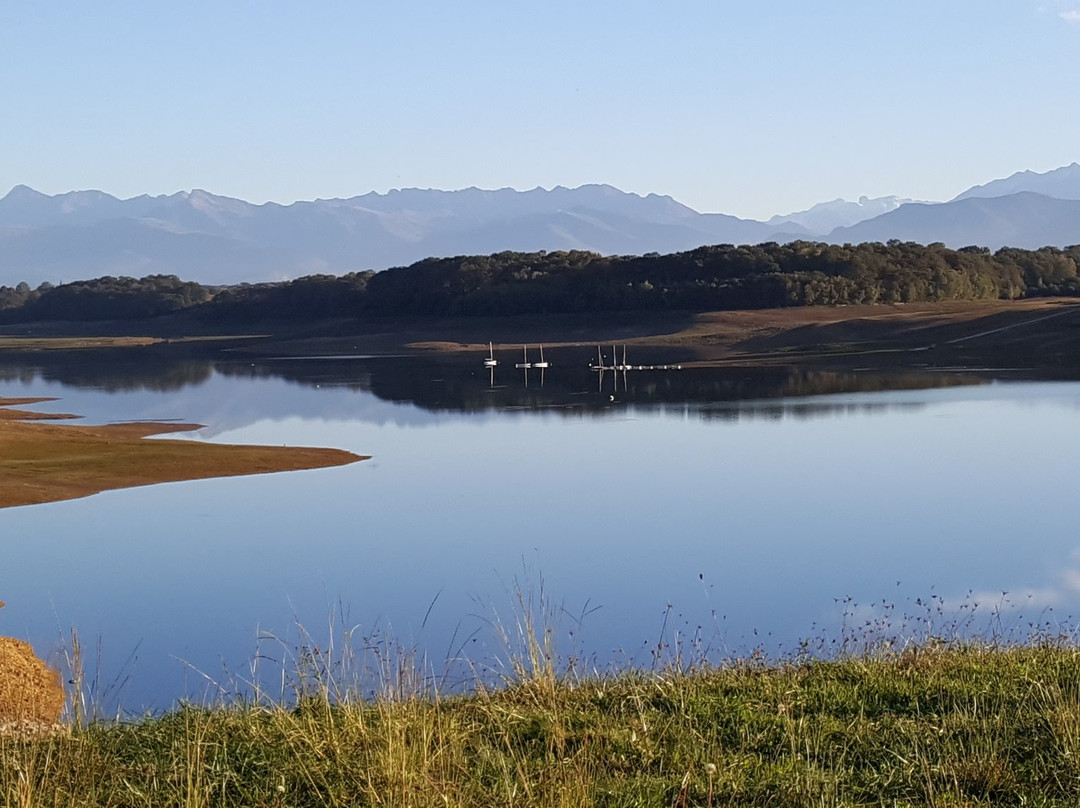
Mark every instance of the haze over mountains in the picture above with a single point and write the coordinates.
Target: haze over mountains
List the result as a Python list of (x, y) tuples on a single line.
[(215, 239)]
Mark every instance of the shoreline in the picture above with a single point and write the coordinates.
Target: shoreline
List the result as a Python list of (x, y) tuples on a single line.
[(44, 461), (808, 335), (896, 335)]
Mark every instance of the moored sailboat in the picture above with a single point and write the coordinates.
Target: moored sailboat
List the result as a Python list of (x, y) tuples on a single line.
[(542, 363), (525, 358)]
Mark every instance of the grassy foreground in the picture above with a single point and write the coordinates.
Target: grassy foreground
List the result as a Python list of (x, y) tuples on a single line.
[(930, 726)]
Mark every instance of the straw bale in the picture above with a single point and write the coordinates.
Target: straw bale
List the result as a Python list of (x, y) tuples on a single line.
[(29, 690)]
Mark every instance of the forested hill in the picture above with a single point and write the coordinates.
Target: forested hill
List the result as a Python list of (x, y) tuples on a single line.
[(708, 278)]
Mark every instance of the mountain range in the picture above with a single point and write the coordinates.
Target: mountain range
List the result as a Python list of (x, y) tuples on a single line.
[(215, 239)]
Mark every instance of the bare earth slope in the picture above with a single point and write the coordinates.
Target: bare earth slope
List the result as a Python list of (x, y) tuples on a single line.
[(1034, 332)]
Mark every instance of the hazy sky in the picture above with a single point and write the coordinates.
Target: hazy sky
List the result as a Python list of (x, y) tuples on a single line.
[(749, 107)]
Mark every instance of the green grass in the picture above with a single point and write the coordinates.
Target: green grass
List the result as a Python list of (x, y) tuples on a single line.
[(961, 725)]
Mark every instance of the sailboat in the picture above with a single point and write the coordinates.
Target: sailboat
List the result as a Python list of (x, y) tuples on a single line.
[(525, 358), (541, 364), (490, 361), (600, 366)]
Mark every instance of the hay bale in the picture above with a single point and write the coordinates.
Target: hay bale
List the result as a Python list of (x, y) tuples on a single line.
[(29, 691)]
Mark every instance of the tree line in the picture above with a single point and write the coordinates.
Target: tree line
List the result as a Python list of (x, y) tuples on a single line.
[(717, 277)]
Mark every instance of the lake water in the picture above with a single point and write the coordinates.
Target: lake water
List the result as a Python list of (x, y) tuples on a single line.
[(714, 511)]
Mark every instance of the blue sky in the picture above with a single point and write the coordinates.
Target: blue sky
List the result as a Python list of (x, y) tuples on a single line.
[(748, 107)]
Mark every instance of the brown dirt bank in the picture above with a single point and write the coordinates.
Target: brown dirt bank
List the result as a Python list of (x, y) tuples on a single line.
[(60, 343), (46, 462), (1040, 329)]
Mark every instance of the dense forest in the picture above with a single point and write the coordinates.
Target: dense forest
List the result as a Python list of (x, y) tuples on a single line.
[(717, 277)]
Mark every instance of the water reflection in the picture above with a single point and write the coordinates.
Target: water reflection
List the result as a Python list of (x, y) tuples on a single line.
[(800, 410), (565, 379), (119, 370)]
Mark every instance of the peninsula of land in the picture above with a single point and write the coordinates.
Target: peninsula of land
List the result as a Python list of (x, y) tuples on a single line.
[(45, 461)]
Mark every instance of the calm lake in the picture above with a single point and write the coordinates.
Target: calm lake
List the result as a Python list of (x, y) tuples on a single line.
[(709, 511)]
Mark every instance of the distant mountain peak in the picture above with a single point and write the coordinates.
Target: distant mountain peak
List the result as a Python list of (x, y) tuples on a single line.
[(1023, 219), (825, 217), (1059, 183), (21, 193)]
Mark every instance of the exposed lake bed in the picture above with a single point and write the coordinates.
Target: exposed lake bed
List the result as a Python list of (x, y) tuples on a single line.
[(44, 462)]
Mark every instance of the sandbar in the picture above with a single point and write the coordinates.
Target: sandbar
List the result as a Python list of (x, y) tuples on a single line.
[(45, 460)]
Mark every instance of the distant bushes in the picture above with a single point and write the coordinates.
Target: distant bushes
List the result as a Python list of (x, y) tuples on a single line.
[(312, 297), (716, 277), (105, 298)]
